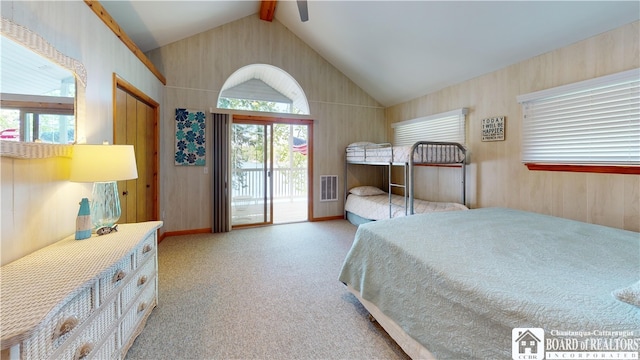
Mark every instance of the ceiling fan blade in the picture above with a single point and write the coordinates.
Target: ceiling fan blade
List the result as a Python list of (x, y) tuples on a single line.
[(304, 11)]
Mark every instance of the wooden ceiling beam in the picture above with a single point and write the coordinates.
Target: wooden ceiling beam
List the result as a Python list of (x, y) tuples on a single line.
[(102, 13), (267, 9)]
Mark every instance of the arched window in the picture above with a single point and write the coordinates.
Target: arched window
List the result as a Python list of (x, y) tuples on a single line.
[(262, 87)]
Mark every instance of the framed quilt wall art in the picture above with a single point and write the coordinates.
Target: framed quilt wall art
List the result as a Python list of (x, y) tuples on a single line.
[(190, 138)]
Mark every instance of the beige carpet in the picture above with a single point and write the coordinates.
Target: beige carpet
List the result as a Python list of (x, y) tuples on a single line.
[(260, 293)]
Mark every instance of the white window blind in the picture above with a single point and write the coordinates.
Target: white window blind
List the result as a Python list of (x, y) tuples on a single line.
[(448, 126), (595, 121)]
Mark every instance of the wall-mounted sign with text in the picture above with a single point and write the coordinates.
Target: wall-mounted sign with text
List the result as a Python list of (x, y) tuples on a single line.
[(493, 129)]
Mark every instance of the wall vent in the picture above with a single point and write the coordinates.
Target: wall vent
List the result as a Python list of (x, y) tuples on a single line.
[(328, 187)]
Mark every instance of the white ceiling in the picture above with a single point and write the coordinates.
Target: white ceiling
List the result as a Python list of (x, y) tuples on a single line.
[(395, 50), (25, 72)]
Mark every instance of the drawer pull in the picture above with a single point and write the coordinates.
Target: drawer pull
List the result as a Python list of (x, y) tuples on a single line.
[(146, 248), (83, 351), (119, 276), (65, 327), (142, 280), (142, 306)]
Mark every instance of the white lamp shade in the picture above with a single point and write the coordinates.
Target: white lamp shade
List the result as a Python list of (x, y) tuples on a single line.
[(101, 163)]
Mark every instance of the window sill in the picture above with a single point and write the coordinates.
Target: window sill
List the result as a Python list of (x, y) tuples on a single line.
[(602, 169)]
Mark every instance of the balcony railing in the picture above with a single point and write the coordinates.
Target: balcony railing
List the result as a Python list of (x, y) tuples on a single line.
[(288, 184)]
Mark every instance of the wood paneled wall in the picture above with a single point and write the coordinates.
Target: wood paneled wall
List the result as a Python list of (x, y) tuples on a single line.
[(39, 204), (497, 177), (196, 69)]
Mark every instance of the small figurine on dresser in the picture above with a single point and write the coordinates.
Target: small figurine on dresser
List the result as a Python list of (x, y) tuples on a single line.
[(107, 230), (83, 221)]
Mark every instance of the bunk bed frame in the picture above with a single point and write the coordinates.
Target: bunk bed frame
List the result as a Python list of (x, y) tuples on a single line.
[(420, 153)]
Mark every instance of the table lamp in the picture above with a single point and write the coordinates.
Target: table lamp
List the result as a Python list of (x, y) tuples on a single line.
[(103, 165)]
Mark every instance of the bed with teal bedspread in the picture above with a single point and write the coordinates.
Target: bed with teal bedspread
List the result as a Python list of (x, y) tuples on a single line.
[(459, 282)]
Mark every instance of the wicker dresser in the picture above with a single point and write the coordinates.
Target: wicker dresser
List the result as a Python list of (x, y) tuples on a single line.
[(80, 299)]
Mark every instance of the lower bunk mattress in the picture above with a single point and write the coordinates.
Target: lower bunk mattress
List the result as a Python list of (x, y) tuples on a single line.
[(460, 282), (376, 207)]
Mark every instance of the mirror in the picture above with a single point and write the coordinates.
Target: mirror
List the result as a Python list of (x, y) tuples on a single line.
[(37, 97), (38, 90)]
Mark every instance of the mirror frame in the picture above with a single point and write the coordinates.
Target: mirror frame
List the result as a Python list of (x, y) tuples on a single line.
[(36, 43)]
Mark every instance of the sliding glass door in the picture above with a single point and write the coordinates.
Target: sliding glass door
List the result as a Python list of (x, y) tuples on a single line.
[(251, 168), (290, 173)]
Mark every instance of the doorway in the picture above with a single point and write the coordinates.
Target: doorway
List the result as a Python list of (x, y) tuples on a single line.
[(135, 123), (270, 167)]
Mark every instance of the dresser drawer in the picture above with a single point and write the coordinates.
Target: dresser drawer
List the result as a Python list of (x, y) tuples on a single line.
[(141, 307), (143, 277), (80, 311), (58, 328), (146, 249), (113, 279), (108, 350), (92, 342)]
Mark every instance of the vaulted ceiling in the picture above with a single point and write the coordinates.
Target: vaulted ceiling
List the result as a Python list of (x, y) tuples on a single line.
[(395, 50)]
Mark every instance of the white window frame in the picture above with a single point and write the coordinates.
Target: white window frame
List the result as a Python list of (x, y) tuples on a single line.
[(265, 83), (446, 127), (593, 122)]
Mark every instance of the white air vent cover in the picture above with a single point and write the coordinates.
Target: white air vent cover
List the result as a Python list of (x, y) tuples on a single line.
[(328, 187)]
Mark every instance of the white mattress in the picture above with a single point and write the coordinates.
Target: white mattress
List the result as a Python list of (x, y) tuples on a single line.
[(379, 154), (384, 153), (376, 207)]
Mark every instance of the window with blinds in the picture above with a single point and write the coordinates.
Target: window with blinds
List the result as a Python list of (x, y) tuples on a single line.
[(448, 126), (591, 122)]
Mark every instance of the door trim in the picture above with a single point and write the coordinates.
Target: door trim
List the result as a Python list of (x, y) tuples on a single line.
[(118, 82)]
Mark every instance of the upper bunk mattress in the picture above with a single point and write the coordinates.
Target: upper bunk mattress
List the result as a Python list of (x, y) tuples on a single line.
[(385, 153), (459, 282)]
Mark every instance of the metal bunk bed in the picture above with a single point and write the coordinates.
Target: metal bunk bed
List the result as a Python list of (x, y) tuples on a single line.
[(420, 153)]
